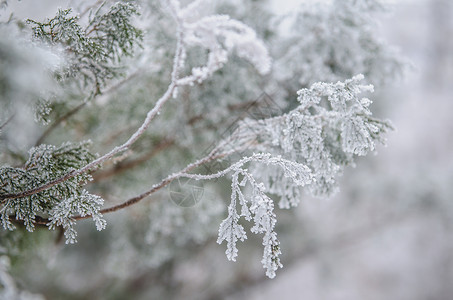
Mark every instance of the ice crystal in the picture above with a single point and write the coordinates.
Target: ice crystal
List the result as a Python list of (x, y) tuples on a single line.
[(220, 35), (258, 208), (58, 203), (94, 51), (331, 125)]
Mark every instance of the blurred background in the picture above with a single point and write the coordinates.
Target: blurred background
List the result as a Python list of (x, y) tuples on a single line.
[(388, 233)]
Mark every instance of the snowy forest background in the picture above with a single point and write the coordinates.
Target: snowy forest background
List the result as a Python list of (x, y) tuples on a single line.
[(386, 235)]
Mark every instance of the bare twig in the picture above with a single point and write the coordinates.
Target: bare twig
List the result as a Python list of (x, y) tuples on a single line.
[(7, 121), (58, 122), (97, 3), (126, 165), (81, 105), (117, 85), (183, 173)]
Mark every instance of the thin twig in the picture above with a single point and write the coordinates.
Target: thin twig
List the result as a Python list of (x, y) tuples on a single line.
[(38, 222), (80, 106), (7, 121), (126, 165), (58, 122), (117, 85), (91, 7), (212, 156)]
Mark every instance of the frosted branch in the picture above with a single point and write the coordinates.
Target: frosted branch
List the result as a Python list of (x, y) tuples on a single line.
[(119, 149)]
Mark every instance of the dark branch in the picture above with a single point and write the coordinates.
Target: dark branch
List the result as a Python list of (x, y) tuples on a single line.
[(158, 186), (126, 165), (58, 122), (7, 121)]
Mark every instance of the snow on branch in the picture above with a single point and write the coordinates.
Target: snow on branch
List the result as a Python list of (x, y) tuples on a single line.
[(319, 138), (62, 201), (325, 132), (220, 35), (255, 206), (308, 147)]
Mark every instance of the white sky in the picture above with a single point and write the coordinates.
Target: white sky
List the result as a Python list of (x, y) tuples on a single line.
[(40, 9)]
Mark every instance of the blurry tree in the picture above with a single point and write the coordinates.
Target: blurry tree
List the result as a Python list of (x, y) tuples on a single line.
[(184, 104), (441, 46)]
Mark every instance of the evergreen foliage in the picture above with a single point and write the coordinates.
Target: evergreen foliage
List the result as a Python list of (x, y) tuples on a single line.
[(60, 202), (305, 148), (94, 50), (338, 41), (331, 125)]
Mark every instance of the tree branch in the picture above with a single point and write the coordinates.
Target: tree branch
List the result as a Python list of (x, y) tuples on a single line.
[(80, 106), (119, 149), (7, 121), (58, 122), (183, 173), (212, 156), (126, 165)]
